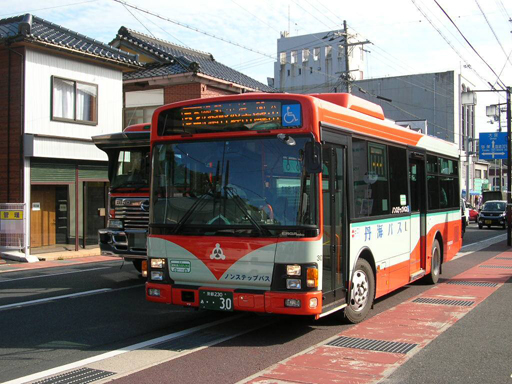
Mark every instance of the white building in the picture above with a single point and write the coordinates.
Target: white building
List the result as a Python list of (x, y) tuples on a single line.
[(319, 62)]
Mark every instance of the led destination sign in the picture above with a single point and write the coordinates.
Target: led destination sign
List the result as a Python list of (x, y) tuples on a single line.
[(232, 116)]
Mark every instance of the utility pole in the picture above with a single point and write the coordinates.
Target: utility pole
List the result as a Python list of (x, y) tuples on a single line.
[(345, 53), (509, 174), (468, 152), (346, 73), (508, 90)]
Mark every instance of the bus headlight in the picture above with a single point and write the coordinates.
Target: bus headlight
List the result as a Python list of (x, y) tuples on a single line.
[(293, 303), (293, 270), (312, 277), (157, 263), (117, 224), (157, 275), (293, 284)]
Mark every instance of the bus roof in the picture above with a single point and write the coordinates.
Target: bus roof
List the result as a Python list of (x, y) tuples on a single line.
[(348, 113), (125, 139), (142, 127)]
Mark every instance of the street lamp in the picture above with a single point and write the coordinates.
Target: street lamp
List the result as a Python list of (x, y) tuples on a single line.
[(494, 111), (508, 90)]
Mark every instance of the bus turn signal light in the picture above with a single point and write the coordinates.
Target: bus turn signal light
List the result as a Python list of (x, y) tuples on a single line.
[(312, 278), (144, 268)]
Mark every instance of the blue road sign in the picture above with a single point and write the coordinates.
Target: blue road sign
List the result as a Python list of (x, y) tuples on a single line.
[(493, 145)]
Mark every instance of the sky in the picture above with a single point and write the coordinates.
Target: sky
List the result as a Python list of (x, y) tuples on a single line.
[(407, 36)]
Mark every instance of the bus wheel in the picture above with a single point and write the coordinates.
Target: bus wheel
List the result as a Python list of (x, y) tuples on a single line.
[(137, 264), (435, 269), (362, 293)]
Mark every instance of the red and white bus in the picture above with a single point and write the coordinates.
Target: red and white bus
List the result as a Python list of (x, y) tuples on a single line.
[(295, 204)]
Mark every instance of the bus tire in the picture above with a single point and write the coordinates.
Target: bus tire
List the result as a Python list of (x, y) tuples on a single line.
[(362, 292), (137, 263), (435, 268)]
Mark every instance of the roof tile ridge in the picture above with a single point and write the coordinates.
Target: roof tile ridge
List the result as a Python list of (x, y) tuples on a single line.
[(179, 46), (47, 23)]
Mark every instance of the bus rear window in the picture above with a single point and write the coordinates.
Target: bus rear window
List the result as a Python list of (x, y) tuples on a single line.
[(247, 115)]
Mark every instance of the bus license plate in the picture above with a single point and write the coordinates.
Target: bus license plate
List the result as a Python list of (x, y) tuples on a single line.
[(216, 300), (488, 221)]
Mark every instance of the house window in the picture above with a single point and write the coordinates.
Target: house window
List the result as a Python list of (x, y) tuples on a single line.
[(74, 101), (316, 54), (328, 51), (138, 115), (341, 50), (478, 173), (305, 55), (294, 57), (282, 58)]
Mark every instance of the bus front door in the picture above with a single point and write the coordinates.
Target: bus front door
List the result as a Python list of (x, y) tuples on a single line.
[(334, 225), (418, 200)]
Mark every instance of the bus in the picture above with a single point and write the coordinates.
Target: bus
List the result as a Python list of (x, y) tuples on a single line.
[(295, 204), (128, 213)]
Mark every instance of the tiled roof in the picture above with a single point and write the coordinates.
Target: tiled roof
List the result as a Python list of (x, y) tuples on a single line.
[(34, 29), (174, 59)]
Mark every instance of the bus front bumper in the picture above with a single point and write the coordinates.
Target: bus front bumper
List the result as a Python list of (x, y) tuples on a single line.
[(288, 303)]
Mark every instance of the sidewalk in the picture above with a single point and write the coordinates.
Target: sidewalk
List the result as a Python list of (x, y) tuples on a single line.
[(372, 350), (57, 259)]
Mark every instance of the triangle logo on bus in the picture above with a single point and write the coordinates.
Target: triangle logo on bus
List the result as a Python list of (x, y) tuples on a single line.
[(218, 255)]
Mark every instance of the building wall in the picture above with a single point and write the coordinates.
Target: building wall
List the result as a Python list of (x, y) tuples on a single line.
[(140, 104), (11, 159), (297, 72), (180, 92), (430, 96), (40, 67)]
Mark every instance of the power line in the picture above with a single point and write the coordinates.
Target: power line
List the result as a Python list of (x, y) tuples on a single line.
[(46, 8), (315, 8), (448, 42), (167, 33), (193, 28), (492, 30), (140, 22), (503, 9), (473, 48)]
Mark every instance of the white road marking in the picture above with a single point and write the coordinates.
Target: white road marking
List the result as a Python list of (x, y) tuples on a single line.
[(117, 352), (39, 301), (478, 246), (71, 295), (53, 274)]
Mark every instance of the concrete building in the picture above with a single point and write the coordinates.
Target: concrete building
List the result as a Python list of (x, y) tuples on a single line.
[(428, 102), (431, 103), (318, 63), (57, 89)]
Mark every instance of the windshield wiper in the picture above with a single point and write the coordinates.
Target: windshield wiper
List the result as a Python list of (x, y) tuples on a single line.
[(211, 192), (191, 210), (243, 207)]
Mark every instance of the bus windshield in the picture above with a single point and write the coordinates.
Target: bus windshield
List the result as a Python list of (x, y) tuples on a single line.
[(244, 186), (131, 170)]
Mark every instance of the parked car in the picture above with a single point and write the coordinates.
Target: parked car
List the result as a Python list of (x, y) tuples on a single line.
[(465, 211), (473, 215), (493, 213)]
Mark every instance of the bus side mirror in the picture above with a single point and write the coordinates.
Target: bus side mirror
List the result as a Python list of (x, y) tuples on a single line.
[(313, 157)]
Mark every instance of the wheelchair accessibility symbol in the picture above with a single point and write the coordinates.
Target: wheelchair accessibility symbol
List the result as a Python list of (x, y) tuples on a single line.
[(291, 115)]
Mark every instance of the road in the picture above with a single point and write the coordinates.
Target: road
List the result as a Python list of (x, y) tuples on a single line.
[(95, 315)]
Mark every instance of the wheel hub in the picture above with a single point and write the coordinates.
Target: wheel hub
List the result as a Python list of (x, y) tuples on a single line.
[(359, 293)]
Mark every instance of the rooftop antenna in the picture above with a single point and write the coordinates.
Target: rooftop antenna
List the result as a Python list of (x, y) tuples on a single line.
[(288, 19)]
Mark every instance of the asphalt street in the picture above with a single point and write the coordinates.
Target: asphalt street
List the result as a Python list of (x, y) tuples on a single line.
[(53, 317)]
